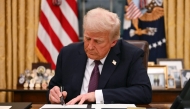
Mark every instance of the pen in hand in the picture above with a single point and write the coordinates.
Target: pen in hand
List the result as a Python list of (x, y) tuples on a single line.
[(61, 98)]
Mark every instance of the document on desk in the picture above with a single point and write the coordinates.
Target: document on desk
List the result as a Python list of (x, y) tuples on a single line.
[(111, 106), (84, 106), (5, 107), (53, 106)]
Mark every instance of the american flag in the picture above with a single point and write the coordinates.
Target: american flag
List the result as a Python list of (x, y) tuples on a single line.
[(58, 27), (133, 11)]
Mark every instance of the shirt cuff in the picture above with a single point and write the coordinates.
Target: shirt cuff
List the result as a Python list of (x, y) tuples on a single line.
[(99, 97)]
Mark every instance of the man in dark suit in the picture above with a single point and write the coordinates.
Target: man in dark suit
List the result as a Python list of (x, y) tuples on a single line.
[(123, 78)]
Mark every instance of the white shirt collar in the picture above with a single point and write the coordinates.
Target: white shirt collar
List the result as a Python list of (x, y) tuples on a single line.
[(91, 61)]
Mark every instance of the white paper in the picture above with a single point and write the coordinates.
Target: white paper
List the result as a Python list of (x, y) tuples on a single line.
[(96, 106), (5, 107), (99, 106), (63, 106)]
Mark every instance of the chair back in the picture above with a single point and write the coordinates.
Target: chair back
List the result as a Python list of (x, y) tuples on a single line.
[(144, 46)]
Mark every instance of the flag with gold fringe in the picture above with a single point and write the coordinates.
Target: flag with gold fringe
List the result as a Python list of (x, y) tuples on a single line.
[(58, 27)]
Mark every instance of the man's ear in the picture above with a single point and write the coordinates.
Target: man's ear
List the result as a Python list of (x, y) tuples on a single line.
[(113, 43)]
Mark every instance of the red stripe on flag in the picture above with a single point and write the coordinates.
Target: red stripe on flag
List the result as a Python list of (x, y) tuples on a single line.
[(64, 23), (133, 11), (45, 52), (73, 5), (54, 38), (136, 13)]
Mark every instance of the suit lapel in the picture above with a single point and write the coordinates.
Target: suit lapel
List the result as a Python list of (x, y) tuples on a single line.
[(79, 69), (109, 66)]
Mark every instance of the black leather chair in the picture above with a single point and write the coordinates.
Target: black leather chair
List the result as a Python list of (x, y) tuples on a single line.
[(144, 46)]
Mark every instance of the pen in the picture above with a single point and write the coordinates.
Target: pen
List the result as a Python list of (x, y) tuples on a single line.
[(61, 98)]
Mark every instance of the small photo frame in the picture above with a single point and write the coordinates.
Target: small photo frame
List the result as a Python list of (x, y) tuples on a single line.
[(171, 83), (150, 63), (157, 75), (185, 76), (174, 69)]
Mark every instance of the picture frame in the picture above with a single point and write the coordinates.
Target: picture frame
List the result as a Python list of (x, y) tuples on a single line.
[(174, 69), (185, 76), (150, 63), (157, 75), (171, 83)]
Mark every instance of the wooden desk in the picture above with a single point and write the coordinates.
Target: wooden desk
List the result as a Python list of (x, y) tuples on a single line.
[(157, 106), (165, 95), (29, 95), (36, 96)]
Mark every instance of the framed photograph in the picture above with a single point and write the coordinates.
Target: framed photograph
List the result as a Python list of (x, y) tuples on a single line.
[(171, 83), (157, 75), (185, 76), (151, 63), (174, 69)]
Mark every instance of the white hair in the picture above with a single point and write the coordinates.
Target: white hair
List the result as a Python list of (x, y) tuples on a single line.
[(103, 21)]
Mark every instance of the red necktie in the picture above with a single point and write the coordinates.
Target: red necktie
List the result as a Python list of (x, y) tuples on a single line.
[(93, 84)]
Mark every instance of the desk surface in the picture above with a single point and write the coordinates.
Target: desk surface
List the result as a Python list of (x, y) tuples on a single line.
[(18, 105), (19, 89), (41, 89), (157, 106)]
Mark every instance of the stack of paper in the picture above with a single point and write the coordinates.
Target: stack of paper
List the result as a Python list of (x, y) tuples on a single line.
[(53, 106)]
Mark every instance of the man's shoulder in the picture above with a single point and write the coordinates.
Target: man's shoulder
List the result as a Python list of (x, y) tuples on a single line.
[(127, 50), (75, 44), (124, 45)]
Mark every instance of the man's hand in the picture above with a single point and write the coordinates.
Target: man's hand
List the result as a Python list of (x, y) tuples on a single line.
[(88, 97), (55, 94)]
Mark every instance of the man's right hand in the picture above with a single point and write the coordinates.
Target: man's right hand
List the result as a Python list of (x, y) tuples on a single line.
[(55, 94)]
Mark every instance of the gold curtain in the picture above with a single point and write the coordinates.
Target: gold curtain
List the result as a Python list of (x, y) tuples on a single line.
[(177, 26), (18, 29)]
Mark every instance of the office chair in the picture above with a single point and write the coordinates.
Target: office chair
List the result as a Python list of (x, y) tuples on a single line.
[(144, 46)]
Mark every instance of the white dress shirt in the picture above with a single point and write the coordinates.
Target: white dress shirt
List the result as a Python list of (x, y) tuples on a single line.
[(89, 67)]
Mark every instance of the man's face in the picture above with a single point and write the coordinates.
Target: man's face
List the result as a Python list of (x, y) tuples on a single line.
[(97, 45)]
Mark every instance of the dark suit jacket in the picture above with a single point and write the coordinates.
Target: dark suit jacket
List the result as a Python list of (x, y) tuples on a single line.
[(125, 82)]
